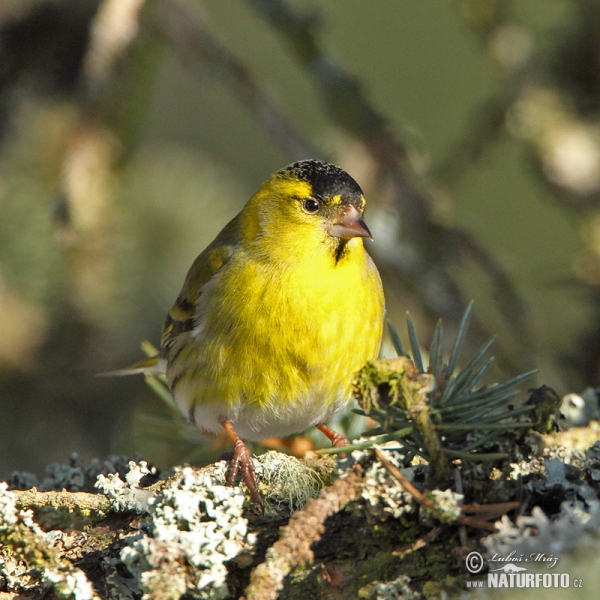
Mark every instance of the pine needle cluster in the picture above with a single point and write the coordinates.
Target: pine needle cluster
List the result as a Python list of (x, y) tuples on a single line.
[(434, 410)]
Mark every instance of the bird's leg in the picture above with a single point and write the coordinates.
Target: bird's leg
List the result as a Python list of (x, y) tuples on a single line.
[(242, 460), (337, 439)]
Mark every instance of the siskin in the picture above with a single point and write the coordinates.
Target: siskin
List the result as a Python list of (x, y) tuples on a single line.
[(278, 314)]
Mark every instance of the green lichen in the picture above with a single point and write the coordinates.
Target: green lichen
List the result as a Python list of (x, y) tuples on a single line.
[(288, 483)]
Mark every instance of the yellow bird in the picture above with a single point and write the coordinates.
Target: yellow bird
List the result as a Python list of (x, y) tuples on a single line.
[(278, 314)]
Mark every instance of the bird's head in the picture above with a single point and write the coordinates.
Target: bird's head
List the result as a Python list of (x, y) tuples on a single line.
[(313, 201)]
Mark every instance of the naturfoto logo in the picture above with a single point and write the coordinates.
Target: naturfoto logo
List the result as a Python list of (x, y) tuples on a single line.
[(513, 574)]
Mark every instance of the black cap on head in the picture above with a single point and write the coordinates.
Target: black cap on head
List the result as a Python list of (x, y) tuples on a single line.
[(326, 179)]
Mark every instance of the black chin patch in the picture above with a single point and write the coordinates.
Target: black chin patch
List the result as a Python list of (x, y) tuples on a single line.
[(340, 250)]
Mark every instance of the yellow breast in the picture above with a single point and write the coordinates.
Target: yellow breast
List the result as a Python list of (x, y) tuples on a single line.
[(279, 338)]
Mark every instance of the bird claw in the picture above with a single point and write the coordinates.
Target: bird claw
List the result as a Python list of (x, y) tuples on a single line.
[(242, 461), (337, 439)]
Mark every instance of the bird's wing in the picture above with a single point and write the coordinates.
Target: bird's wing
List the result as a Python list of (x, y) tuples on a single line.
[(182, 317)]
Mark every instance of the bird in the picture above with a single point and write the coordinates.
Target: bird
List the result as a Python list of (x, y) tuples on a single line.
[(277, 315)]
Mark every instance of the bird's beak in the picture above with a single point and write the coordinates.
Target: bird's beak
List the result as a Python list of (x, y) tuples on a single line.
[(348, 223)]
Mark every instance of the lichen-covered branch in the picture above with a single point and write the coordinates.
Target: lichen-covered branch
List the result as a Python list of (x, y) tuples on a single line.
[(82, 508), (293, 549), (377, 530)]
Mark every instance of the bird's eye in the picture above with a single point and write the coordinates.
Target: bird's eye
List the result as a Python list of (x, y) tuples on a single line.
[(310, 205)]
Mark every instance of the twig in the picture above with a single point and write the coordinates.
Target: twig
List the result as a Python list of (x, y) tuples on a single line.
[(495, 509), (200, 51), (420, 543), (490, 511), (405, 483), (304, 529), (84, 504)]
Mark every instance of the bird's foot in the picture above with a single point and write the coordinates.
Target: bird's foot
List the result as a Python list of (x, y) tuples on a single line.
[(337, 439), (242, 461)]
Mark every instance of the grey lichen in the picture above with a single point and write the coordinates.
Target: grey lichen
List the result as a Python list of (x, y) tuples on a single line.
[(577, 410), (396, 589), (526, 467), (593, 461), (386, 497), (446, 505), (73, 476), (560, 467), (28, 559), (127, 495), (540, 534), (194, 526)]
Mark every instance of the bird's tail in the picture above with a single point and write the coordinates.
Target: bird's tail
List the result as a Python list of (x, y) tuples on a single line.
[(153, 366)]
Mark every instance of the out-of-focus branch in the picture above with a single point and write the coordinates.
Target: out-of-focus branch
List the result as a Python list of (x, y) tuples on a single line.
[(113, 29), (200, 52), (16, 9), (487, 126), (510, 47)]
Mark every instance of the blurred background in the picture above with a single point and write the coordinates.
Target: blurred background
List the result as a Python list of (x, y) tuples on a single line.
[(131, 131)]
